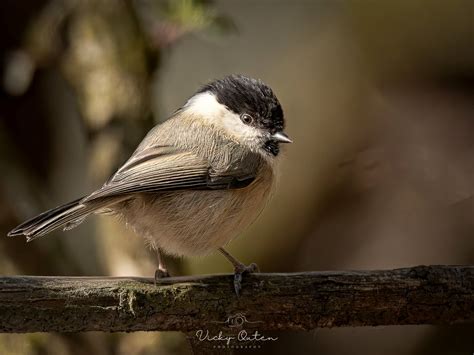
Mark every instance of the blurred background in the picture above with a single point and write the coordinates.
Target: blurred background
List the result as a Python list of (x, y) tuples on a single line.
[(378, 98)]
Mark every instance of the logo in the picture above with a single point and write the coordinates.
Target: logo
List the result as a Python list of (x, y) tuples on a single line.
[(234, 335)]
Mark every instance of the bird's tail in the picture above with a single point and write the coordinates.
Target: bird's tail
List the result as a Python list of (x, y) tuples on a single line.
[(67, 216)]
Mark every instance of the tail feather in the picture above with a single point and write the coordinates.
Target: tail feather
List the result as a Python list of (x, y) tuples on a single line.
[(68, 216)]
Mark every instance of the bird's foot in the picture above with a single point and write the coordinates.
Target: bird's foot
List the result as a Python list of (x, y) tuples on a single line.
[(239, 270), (161, 274)]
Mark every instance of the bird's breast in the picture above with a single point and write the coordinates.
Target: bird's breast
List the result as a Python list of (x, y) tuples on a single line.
[(197, 222)]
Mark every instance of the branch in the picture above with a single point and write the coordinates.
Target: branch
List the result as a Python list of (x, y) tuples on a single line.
[(418, 295)]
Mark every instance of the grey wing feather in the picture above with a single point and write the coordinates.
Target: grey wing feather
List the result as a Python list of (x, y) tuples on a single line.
[(165, 168), (159, 168)]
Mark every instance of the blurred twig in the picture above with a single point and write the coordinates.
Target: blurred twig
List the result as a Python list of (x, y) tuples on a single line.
[(418, 295)]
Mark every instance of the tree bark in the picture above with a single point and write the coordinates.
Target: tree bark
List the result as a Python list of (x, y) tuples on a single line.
[(307, 300)]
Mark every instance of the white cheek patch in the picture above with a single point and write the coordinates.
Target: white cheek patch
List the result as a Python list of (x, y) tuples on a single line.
[(206, 105)]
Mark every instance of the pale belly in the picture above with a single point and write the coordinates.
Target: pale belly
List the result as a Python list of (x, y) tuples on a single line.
[(195, 222)]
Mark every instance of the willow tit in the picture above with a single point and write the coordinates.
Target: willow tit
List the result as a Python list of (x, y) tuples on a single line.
[(196, 180)]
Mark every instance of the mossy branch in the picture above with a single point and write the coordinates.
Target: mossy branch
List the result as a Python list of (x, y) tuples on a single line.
[(308, 300)]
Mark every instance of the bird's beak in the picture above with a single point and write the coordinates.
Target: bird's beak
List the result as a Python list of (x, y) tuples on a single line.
[(281, 138)]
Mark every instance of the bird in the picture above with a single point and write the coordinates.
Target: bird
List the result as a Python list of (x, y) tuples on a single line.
[(196, 181)]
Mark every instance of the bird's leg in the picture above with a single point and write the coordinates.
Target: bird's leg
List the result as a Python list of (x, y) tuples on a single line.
[(162, 271), (239, 270)]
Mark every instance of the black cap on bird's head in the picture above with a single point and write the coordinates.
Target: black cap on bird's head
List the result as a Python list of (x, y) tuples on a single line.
[(255, 103)]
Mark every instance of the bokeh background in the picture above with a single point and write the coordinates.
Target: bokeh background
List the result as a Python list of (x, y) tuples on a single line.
[(378, 98)]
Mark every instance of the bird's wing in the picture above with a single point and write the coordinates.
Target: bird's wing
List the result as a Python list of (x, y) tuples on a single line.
[(165, 168)]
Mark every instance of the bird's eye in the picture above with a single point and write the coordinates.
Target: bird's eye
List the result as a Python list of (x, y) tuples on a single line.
[(246, 118)]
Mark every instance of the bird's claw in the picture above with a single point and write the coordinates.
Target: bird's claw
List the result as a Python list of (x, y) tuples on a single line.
[(239, 271), (161, 274)]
